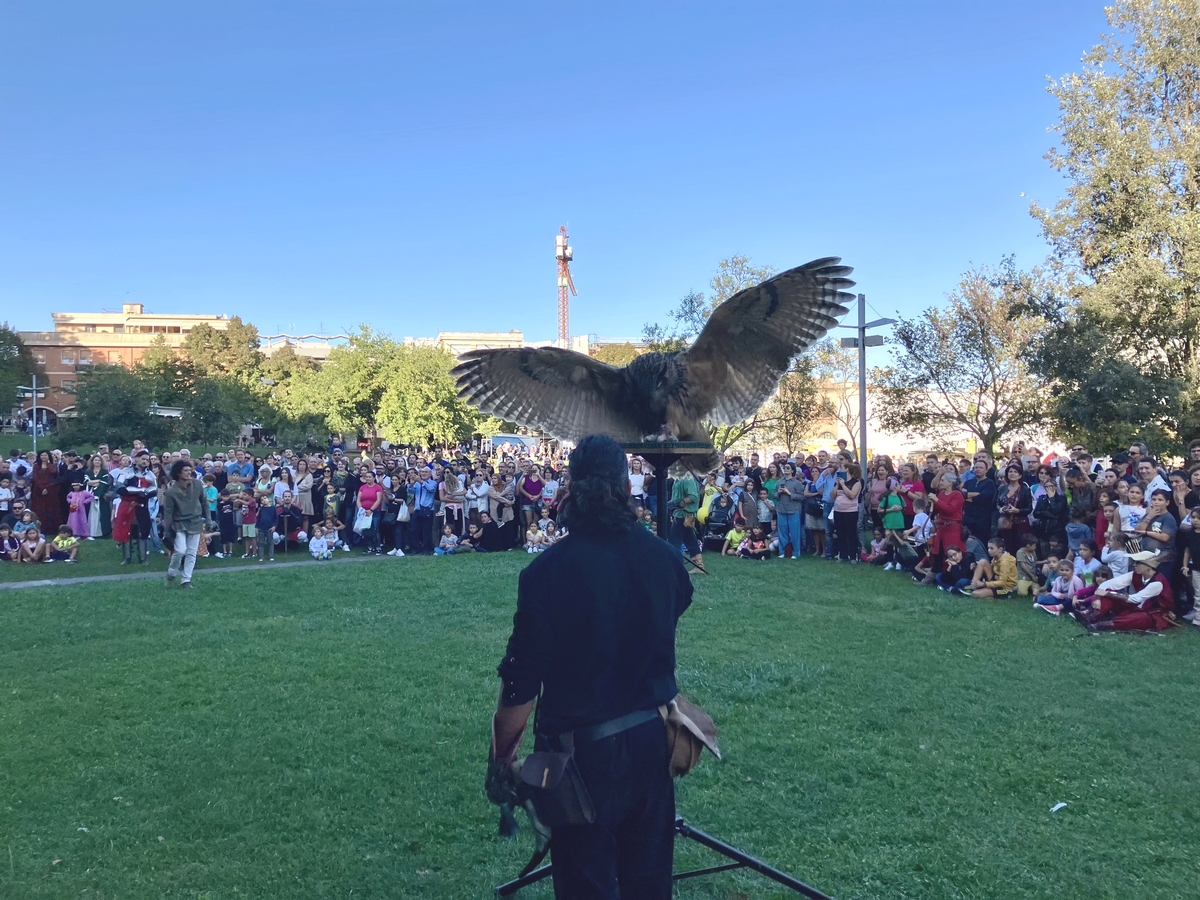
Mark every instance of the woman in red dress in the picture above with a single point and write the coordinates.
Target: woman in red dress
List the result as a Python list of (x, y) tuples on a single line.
[(947, 515), (44, 493)]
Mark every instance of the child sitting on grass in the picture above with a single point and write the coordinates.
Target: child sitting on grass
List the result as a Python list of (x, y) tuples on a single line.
[(1086, 562), (533, 539), (646, 518), (472, 541), (755, 545), (1083, 599), (318, 545), (550, 535), (995, 577), (1048, 572), (64, 546), (332, 526), (33, 548), (733, 539), (449, 542), (1062, 589), (956, 573), (1027, 578), (879, 553), (10, 546)]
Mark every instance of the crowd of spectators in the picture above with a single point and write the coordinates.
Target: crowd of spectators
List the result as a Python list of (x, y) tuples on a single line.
[(391, 501), (1112, 543)]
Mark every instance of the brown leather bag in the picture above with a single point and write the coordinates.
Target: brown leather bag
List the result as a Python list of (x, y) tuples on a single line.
[(551, 781), (689, 730)]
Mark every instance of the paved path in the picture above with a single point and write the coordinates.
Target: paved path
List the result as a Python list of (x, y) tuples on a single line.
[(146, 576)]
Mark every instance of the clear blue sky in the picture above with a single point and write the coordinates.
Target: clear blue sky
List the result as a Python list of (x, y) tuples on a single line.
[(316, 165)]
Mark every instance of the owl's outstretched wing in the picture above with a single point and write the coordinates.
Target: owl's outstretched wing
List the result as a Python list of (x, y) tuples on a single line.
[(566, 394), (751, 338)]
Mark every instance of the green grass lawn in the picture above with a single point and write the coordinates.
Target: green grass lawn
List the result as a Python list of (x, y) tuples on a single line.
[(103, 557), (320, 731)]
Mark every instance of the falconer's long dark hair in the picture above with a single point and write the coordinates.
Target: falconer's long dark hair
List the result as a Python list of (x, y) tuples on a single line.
[(597, 498)]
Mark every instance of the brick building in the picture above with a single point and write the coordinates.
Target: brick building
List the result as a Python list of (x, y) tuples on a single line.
[(84, 339)]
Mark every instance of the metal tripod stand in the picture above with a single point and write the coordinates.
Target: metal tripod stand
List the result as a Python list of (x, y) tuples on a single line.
[(683, 829)]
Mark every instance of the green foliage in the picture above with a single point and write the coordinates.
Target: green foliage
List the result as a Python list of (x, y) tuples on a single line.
[(112, 406), (796, 407), (421, 403), (734, 274), (1126, 237), (17, 366), (836, 368), (229, 352), (619, 355), (349, 387), (965, 366)]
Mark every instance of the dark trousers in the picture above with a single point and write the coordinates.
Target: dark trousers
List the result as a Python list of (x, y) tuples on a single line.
[(628, 852), (681, 534), (846, 527), (421, 535)]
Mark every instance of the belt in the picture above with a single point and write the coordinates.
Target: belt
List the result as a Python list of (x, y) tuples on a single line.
[(614, 726)]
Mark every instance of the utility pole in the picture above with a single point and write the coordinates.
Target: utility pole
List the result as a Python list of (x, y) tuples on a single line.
[(862, 342), (563, 252), (31, 390)]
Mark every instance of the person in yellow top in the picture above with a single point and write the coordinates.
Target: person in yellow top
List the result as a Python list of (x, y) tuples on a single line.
[(709, 491), (64, 546), (997, 576), (733, 539)]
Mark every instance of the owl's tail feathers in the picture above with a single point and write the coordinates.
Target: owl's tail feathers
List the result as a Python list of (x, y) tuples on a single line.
[(697, 465)]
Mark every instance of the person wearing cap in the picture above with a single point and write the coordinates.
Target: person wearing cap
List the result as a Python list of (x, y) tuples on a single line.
[(594, 636), (1140, 600)]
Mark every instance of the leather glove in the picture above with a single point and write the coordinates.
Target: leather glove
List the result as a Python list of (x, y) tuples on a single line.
[(500, 783)]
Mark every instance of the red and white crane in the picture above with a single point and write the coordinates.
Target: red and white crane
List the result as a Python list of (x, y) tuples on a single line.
[(563, 253)]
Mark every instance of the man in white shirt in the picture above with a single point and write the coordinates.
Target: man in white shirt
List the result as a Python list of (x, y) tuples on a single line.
[(1150, 479)]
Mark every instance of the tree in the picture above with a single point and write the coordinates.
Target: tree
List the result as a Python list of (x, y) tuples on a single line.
[(836, 368), (17, 366), (1126, 237), (734, 274), (165, 374), (349, 387), (228, 352), (795, 408), (421, 404), (112, 404), (963, 367), (616, 354)]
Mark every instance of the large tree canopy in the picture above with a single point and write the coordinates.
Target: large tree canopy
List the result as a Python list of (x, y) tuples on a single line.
[(963, 366), (1126, 237)]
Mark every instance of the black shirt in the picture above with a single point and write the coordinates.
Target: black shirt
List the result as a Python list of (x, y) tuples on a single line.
[(595, 629)]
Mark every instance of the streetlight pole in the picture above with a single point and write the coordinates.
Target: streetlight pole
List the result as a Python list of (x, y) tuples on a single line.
[(33, 392), (862, 342)]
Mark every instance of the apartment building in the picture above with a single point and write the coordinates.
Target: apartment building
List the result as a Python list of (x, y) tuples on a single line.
[(81, 339)]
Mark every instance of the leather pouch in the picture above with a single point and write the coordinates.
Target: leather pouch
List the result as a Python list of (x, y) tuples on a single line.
[(552, 782)]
